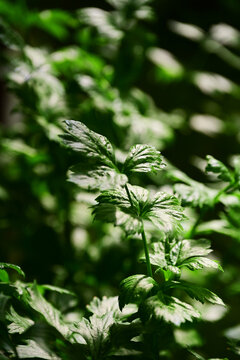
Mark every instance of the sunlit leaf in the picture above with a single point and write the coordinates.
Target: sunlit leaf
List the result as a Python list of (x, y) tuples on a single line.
[(34, 349), (51, 315), (217, 167), (162, 209), (143, 158), (89, 143), (12, 266), (100, 178), (18, 324), (196, 292), (199, 263), (169, 309), (102, 20), (191, 248), (135, 289)]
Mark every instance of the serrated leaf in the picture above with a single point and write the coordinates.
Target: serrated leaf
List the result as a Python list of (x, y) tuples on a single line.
[(167, 308), (19, 324), (135, 289), (143, 158), (157, 255), (217, 167), (162, 259), (195, 194), (94, 334), (100, 307), (88, 143), (165, 213), (162, 209), (51, 315), (34, 349), (190, 248), (17, 268), (196, 292), (100, 178), (106, 305), (199, 263)]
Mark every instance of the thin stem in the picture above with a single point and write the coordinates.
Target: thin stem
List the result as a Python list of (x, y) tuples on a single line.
[(149, 268), (222, 191)]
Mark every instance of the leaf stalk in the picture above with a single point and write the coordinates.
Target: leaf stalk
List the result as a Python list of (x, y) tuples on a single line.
[(149, 268)]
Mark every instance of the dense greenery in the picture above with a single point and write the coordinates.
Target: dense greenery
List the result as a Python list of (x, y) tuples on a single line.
[(129, 212)]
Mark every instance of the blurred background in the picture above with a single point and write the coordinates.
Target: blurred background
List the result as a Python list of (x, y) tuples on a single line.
[(165, 73)]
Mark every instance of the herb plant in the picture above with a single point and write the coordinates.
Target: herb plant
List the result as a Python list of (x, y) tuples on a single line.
[(151, 305), (127, 240)]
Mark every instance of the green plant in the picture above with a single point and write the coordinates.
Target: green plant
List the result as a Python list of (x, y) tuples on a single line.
[(129, 74), (133, 208), (151, 305)]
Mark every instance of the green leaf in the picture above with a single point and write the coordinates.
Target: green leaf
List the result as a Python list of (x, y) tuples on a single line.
[(34, 349), (162, 209), (56, 289), (157, 255), (199, 263), (195, 194), (51, 315), (94, 334), (162, 257), (19, 324), (88, 143), (196, 292), (103, 21), (100, 307), (12, 266), (192, 248), (99, 178), (167, 308), (165, 212), (106, 305), (135, 289), (217, 167), (188, 338), (143, 158), (4, 276)]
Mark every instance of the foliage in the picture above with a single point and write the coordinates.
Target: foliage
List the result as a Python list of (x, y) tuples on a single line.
[(153, 88)]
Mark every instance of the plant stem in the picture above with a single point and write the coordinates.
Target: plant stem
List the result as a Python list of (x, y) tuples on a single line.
[(222, 191), (149, 269)]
